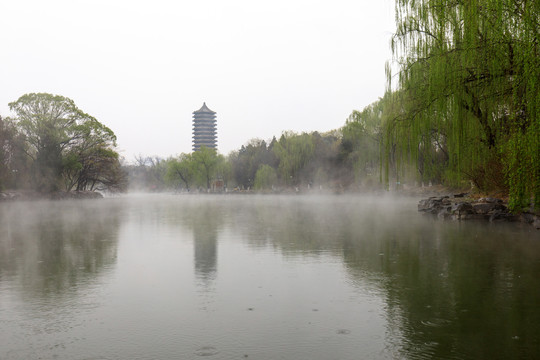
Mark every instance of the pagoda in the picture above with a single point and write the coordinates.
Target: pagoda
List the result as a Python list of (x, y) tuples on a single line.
[(204, 128)]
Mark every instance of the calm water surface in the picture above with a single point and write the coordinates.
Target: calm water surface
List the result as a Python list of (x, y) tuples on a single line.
[(234, 277)]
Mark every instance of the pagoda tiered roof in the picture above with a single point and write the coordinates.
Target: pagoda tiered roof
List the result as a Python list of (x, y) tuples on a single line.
[(204, 128)]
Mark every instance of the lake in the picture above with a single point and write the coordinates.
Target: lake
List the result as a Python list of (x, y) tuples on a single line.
[(263, 277)]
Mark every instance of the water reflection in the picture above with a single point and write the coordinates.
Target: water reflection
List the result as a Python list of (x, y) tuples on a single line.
[(202, 216), (453, 290), (299, 277), (50, 247), (295, 226), (206, 219), (467, 295)]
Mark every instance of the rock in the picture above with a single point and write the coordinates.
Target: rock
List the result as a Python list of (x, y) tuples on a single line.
[(527, 217), (530, 218), (503, 216), (433, 204), (425, 205), (472, 216), (488, 207), (498, 216), (490, 200), (445, 213), (462, 208)]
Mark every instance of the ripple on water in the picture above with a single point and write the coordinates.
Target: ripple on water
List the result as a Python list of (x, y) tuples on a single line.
[(206, 351), (435, 322)]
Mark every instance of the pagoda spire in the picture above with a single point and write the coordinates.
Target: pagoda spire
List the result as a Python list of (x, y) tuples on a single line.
[(204, 128)]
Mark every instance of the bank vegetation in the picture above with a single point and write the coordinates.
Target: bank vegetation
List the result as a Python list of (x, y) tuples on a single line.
[(461, 110)]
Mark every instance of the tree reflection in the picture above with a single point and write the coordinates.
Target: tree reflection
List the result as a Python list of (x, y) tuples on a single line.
[(453, 290), (295, 226), (51, 247)]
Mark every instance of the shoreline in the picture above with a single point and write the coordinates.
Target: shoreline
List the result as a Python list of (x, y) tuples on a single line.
[(464, 207), (28, 195), (435, 201)]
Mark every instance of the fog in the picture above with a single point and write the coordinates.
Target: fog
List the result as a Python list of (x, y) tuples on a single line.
[(260, 276), (142, 68)]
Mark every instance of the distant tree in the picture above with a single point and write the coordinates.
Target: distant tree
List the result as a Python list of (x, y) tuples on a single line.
[(323, 165), (361, 142), (206, 160), (65, 144), (13, 165), (246, 161), (293, 152), (149, 173), (97, 168), (181, 170), (90, 161), (265, 178), (156, 172)]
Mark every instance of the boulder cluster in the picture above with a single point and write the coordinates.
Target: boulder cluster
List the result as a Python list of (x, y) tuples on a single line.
[(458, 207)]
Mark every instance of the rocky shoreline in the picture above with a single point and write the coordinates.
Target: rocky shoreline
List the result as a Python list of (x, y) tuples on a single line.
[(461, 207), (59, 195)]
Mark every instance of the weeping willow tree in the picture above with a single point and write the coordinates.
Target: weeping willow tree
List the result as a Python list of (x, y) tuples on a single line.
[(468, 85), (360, 141)]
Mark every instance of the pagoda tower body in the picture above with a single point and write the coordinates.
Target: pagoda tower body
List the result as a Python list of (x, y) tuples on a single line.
[(204, 128)]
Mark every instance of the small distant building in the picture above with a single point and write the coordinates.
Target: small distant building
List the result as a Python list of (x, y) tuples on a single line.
[(218, 185), (204, 128)]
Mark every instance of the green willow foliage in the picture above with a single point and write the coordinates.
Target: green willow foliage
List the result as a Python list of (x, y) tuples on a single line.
[(265, 178), (293, 152), (468, 87), (361, 138)]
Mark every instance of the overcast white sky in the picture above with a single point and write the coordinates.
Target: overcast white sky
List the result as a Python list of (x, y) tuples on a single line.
[(143, 67)]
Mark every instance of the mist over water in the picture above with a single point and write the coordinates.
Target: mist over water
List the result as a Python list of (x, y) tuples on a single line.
[(262, 277)]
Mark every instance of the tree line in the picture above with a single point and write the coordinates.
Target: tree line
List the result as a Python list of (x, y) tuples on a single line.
[(462, 110), (347, 159)]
